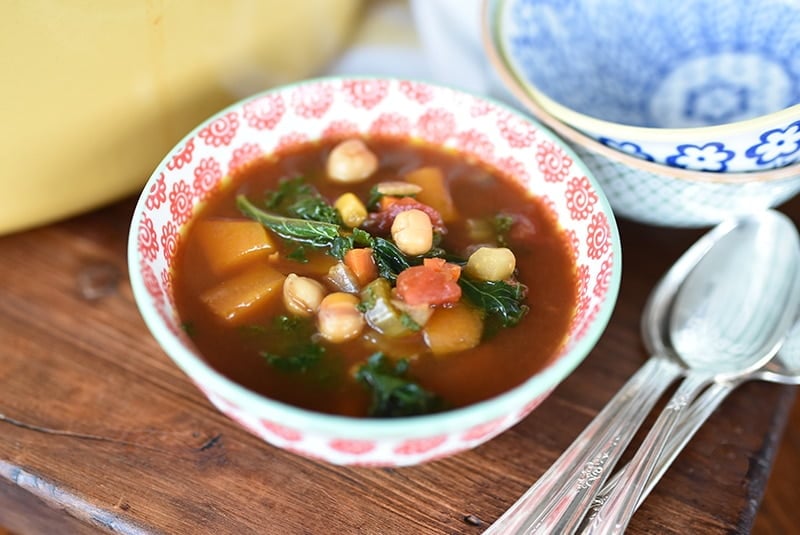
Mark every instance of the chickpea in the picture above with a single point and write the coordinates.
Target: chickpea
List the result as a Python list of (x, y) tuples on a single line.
[(351, 161), (338, 317), (412, 232), (491, 264), (302, 295)]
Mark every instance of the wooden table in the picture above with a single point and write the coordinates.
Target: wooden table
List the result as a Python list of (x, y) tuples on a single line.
[(99, 431)]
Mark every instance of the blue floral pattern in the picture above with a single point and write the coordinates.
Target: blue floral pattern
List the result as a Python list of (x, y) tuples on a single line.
[(679, 65), (627, 147), (709, 157), (685, 65), (777, 146)]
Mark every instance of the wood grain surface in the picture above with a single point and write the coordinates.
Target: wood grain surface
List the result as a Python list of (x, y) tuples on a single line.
[(779, 512), (99, 431)]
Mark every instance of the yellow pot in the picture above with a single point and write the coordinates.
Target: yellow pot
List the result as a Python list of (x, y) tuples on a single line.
[(94, 93)]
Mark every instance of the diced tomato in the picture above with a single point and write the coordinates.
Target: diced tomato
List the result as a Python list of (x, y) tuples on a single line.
[(380, 222), (432, 283), (439, 264)]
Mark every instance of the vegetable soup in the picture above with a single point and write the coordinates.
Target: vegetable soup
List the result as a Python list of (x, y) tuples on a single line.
[(375, 277)]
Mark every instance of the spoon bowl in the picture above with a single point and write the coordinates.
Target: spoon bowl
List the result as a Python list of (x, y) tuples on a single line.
[(731, 315)]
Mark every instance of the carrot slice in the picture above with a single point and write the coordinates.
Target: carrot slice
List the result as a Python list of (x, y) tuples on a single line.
[(433, 283), (362, 264)]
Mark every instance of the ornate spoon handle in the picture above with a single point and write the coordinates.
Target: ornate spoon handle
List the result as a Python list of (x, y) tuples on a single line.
[(696, 415), (575, 478), (613, 516)]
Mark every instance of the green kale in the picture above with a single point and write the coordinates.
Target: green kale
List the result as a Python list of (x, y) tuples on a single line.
[(299, 359), (389, 259), (298, 254), (374, 198), (499, 299), (285, 324), (296, 199), (283, 327), (288, 190), (340, 245), (409, 323), (393, 395), (189, 328), (502, 224), (290, 351), (314, 208), (362, 237), (317, 234)]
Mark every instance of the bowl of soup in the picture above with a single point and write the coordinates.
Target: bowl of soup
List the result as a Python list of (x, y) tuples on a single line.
[(374, 271)]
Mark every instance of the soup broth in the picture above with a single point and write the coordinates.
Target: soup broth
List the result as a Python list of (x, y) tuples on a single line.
[(259, 341)]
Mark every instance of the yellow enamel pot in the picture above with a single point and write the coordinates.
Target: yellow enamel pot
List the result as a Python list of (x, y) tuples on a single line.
[(95, 92)]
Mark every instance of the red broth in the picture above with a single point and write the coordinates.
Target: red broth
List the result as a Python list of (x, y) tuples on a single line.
[(504, 359)]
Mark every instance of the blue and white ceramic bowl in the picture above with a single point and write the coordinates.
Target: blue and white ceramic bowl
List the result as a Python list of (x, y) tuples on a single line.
[(642, 190), (709, 85)]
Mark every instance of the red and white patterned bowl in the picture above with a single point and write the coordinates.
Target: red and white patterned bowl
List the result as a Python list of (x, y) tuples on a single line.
[(483, 129)]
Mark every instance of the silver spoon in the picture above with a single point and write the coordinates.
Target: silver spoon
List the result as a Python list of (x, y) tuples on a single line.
[(784, 368), (729, 320), (563, 494)]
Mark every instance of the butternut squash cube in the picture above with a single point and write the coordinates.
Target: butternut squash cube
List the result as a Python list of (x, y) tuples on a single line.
[(453, 329), (227, 243), (239, 297), (434, 191)]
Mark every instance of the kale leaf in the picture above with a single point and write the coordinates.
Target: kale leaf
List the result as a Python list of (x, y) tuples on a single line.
[(502, 224), (189, 328), (299, 359), (297, 199), (288, 190), (293, 352), (500, 299), (389, 259), (315, 233), (298, 254), (286, 324), (393, 395), (319, 234)]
